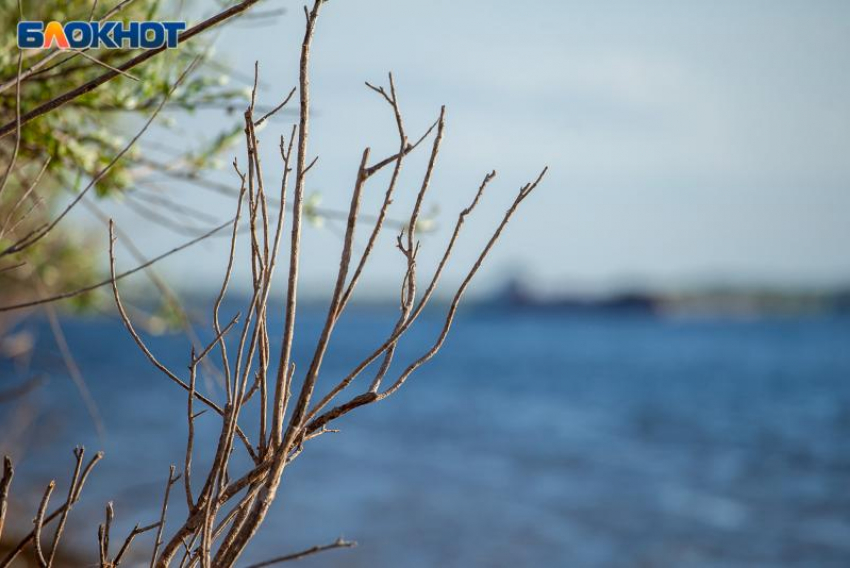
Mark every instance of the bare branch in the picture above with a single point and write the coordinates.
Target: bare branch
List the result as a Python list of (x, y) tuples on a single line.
[(103, 537), (23, 197), (297, 208), (319, 422), (135, 61), (39, 523), (12, 267), (5, 483), (79, 452), (523, 193), (105, 65), (190, 438), (161, 525), (304, 553), (277, 108), (128, 324), (129, 540), (333, 311), (86, 289)]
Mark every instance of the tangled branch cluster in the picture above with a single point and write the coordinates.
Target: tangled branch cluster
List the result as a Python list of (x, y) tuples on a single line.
[(226, 504)]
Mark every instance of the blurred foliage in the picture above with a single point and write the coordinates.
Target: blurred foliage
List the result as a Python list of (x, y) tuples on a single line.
[(83, 136)]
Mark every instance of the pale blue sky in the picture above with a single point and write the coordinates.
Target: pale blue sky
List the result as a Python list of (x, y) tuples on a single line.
[(688, 141)]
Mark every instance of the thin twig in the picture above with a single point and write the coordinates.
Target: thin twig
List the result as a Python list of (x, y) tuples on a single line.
[(304, 553), (164, 510), (319, 422), (103, 537), (79, 452), (151, 357), (39, 524), (5, 483), (23, 197), (108, 281), (333, 311), (129, 540), (297, 209), (106, 65), (276, 109)]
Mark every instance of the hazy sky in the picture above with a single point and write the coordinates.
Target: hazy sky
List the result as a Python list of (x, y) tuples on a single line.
[(688, 141)]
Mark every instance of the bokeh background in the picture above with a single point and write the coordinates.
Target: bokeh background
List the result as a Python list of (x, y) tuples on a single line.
[(653, 367)]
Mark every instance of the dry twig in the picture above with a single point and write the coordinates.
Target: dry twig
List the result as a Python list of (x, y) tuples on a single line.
[(305, 553)]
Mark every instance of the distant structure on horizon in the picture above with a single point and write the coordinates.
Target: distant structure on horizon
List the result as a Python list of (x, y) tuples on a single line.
[(709, 301), (515, 294)]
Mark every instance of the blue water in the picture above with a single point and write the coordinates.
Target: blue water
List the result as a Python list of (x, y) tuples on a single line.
[(531, 440)]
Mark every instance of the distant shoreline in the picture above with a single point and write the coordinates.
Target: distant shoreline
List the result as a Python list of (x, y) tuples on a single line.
[(717, 301)]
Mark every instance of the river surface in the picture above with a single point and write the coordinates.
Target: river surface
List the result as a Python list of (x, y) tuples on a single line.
[(532, 440)]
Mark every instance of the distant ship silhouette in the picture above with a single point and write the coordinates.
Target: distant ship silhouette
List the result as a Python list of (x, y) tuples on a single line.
[(516, 295)]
